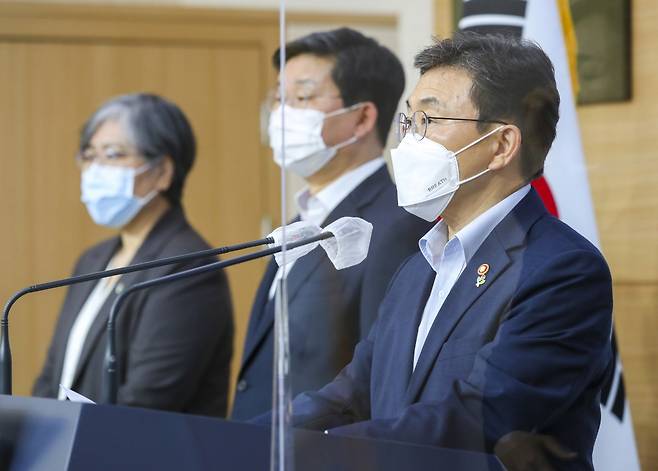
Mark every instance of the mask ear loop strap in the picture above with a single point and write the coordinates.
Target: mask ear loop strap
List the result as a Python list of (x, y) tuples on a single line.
[(478, 140), (347, 109), (477, 175), (352, 139), (146, 199), (148, 166)]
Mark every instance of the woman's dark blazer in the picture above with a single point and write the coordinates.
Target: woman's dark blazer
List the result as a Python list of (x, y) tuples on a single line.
[(174, 342)]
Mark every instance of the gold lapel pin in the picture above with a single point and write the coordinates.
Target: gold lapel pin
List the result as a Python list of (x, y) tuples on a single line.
[(482, 275)]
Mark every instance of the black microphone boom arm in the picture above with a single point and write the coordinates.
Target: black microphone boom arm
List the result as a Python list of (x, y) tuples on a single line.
[(5, 350), (110, 379)]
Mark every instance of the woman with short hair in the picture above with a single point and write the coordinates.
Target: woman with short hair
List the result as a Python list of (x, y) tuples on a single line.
[(174, 343)]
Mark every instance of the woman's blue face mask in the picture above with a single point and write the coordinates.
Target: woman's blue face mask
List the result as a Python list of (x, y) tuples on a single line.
[(108, 193)]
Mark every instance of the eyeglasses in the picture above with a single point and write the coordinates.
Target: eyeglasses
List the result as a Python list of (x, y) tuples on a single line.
[(112, 154), (419, 121)]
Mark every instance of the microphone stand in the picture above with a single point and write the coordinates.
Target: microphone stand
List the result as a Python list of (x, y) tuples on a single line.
[(110, 376), (5, 350)]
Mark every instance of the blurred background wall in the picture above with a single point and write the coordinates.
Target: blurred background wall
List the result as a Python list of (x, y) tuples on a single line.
[(59, 62)]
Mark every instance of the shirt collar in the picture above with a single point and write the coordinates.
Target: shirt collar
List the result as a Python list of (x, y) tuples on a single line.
[(316, 208), (471, 237), (432, 244)]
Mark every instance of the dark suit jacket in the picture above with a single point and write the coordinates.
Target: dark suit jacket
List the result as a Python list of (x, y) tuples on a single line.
[(174, 341), (527, 350), (330, 310)]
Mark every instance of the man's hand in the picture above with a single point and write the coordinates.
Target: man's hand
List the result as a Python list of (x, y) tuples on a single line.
[(525, 451)]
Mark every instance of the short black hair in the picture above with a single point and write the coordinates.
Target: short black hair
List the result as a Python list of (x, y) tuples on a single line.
[(364, 70), (156, 127), (513, 81)]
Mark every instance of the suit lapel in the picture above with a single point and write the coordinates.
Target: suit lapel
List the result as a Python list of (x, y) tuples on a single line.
[(408, 330), (299, 275), (259, 320), (352, 205), (97, 260), (509, 234), (365, 193), (461, 297), (303, 269), (150, 249)]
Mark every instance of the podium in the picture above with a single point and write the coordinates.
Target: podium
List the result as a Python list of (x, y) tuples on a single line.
[(46, 434)]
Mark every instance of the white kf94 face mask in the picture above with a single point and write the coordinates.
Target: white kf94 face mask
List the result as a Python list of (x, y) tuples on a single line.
[(427, 175), (306, 151)]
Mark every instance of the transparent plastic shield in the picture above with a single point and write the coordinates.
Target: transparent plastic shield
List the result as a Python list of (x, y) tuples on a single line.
[(282, 441)]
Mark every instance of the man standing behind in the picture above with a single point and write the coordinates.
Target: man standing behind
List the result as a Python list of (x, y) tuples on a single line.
[(342, 91)]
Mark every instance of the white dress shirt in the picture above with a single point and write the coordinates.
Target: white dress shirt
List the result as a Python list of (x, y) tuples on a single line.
[(80, 330), (316, 208), (448, 258)]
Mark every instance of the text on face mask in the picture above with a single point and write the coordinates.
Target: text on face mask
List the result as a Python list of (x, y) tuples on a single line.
[(436, 185)]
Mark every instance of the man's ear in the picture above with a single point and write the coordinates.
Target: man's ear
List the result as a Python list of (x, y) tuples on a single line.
[(367, 120), (166, 174), (507, 147)]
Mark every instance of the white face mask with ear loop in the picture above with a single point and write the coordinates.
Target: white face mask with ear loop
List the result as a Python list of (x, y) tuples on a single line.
[(427, 175), (305, 149)]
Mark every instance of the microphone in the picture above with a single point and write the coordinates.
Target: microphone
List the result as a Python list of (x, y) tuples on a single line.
[(349, 246), (351, 238), (5, 350), (294, 233)]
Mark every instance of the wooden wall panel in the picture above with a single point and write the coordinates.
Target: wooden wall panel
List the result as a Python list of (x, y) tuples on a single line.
[(636, 306), (620, 145), (53, 76), (620, 141)]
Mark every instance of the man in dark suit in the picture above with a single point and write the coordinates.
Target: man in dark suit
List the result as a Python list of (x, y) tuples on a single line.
[(496, 336), (342, 92)]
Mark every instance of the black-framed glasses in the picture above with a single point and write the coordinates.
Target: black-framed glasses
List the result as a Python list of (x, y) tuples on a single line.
[(417, 123)]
